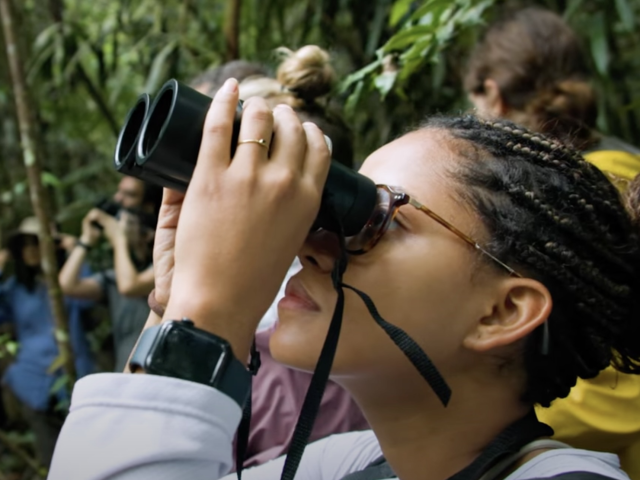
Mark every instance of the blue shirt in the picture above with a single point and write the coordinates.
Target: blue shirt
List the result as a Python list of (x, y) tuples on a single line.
[(30, 313)]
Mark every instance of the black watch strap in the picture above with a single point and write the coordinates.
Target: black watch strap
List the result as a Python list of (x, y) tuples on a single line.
[(235, 381), (185, 355)]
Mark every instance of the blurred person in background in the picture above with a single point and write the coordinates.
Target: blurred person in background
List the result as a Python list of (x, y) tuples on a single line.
[(530, 68), (126, 286), (24, 304), (211, 80)]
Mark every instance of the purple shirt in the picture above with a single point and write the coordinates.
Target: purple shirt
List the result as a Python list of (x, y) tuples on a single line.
[(277, 397)]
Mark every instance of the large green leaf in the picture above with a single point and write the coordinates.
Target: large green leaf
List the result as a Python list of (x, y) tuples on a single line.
[(599, 44), (358, 76), (399, 10), (473, 14), (60, 383), (408, 37), (50, 179), (572, 8), (354, 98), (160, 67), (432, 10), (626, 14), (47, 36), (384, 82), (57, 364)]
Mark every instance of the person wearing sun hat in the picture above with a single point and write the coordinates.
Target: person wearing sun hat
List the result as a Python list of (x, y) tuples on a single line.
[(24, 303)]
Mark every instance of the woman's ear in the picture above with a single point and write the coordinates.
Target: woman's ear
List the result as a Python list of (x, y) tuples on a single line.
[(521, 305)]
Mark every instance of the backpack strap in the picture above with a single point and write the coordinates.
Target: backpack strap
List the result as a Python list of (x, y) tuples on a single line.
[(379, 469), (577, 476), (503, 465)]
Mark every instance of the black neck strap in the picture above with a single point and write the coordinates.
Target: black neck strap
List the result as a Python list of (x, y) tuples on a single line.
[(314, 395), (318, 383), (411, 349), (313, 398)]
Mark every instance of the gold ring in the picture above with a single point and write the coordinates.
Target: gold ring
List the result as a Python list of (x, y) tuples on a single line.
[(261, 142)]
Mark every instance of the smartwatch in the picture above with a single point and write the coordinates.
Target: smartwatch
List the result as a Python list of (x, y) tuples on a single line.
[(181, 350)]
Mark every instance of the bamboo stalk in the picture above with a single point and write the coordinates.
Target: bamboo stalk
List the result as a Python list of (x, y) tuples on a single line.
[(232, 30), (37, 192)]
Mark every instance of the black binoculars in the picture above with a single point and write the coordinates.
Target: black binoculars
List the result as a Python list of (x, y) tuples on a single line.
[(159, 143)]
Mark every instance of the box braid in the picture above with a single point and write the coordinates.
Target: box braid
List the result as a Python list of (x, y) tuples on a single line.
[(556, 218)]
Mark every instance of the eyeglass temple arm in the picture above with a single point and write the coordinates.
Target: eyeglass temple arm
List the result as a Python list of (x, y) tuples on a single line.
[(460, 234)]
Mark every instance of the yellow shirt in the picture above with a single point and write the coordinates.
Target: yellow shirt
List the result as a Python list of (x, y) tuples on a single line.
[(601, 414), (621, 167)]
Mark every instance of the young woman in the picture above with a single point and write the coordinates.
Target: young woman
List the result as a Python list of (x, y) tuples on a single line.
[(24, 303), (125, 286), (530, 68), (479, 251)]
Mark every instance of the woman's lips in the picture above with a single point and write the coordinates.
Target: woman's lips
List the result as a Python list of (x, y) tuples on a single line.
[(297, 298)]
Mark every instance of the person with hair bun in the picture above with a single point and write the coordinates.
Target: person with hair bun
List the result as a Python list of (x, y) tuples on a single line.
[(303, 80), (529, 67), (210, 81)]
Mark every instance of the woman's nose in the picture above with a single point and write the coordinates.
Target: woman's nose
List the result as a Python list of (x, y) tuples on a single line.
[(320, 251)]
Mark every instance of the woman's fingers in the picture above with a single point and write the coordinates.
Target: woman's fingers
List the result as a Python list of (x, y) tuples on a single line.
[(256, 132), (289, 139), (170, 209), (318, 158), (215, 148)]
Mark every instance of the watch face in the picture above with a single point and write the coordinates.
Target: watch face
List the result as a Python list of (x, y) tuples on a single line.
[(181, 346)]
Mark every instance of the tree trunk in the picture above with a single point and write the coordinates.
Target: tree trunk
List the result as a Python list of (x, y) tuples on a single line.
[(232, 30), (37, 191)]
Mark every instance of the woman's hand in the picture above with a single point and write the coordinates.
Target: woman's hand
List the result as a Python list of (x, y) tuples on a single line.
[(90, 233), (114, 229), (164, 244), (241, 222)]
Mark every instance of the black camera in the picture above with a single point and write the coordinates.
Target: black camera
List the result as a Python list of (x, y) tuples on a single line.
[(159, 143), (108, 206)]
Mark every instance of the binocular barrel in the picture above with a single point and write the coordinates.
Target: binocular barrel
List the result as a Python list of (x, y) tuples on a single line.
[(160, 141)]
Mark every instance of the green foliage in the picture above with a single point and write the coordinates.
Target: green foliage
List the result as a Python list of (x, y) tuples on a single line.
[(611, 37), (87, 62), (399, 60), (8, 347)]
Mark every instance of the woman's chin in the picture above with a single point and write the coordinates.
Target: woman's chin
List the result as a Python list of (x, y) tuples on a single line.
[(298, 338)]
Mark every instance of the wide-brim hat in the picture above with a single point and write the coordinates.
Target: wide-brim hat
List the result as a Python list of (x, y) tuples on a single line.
[(29, 227)]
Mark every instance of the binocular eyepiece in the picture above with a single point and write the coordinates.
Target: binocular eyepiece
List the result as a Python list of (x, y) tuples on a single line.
[(160, 141)]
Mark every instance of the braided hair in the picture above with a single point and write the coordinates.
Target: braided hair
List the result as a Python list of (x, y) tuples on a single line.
[(556, 218)]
